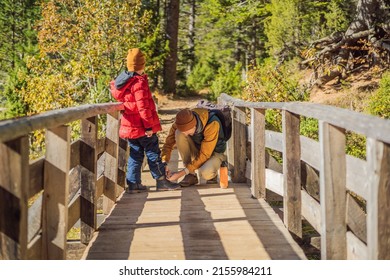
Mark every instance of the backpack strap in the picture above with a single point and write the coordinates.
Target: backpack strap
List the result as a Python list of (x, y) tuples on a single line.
[(213, 116)]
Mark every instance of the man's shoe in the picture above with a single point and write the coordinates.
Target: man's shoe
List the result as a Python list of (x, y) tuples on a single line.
[(136, 188), (165, 185), (212, 180), (189, 180)]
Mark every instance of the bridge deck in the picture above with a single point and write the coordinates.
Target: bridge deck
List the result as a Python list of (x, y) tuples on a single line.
[(199, 222)]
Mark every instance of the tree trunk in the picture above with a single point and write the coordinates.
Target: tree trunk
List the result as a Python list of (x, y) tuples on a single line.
[(191, 36), (371, 23), (172, 27)]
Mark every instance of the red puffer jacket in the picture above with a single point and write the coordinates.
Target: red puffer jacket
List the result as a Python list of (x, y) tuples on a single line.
[(140, 111)]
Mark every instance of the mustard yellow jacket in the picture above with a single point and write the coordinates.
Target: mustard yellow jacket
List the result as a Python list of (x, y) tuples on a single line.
[(207, 147)]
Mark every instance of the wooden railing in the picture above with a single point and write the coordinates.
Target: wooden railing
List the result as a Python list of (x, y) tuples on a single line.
[(39, 230), (347, 230), (65, 184)]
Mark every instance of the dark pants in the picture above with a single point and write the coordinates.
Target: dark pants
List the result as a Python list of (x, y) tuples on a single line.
[(138, 148)]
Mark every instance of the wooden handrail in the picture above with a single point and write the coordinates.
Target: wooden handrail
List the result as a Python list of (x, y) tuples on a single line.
[(67, 174), (14, 128), (368, 234)]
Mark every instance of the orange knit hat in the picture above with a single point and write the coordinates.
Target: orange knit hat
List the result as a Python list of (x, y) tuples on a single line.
[(185, 120), (135, 60)]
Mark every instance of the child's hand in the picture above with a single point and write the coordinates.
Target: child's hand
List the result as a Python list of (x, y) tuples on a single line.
[(149, 133)]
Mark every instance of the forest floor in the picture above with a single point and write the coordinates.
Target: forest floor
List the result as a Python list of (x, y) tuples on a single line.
[(352, 93)]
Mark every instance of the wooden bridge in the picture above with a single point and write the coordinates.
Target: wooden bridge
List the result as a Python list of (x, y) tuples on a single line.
[(41, 201)]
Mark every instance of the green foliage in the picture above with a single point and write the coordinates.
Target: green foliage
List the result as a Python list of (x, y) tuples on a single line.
[(270, 82), (227, 81), (379, 103), (281, 27), (202, 75), (293, 24), (18, 40), (356, 145), (309, 127), (17, 36), (83, 45), (338, 17), (156, 49), (15, 106)]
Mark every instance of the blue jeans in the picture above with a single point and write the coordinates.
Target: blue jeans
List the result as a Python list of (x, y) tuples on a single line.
[(138, 148)]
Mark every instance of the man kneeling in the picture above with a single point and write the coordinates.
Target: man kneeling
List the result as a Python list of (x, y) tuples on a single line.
[(200, 140)]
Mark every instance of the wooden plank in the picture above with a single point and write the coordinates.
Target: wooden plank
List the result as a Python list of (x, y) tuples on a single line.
[(357, 176), (378, 202), (258, 153), (34, 249), (309, 152), (100, 186), (356, 249), (74, 154), (368, 125), (73, 211), (356, 218), (100, 145), (274, 181), (111, 162), (311, 210), (292, 173), (88, 161), (56, 190), (309, 147), (122, 163), (11, 129), (36, 177), (237, 146), (274, 140), (35, 218), (14, 180), (193, 223), (333, 192)]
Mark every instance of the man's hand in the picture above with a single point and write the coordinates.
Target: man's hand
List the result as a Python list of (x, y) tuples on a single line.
[(176, 175)]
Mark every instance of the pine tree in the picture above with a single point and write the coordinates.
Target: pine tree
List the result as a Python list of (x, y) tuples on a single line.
[(18, 40)]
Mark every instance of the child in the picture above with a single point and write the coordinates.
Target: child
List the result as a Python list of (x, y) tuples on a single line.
[(139, 124)]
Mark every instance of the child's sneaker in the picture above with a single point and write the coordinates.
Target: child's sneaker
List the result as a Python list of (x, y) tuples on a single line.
[(165, 185), (136, 188)]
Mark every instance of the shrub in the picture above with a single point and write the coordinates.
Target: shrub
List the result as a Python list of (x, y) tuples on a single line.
[(228, 81), (379, 103)]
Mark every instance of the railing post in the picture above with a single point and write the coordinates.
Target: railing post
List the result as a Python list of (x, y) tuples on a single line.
[(122, 163), (14, 179), (378, 202), (258, 153), (56, 193), (333, 192), (111, 162), (292, 173), (88, 162), (237, 146)]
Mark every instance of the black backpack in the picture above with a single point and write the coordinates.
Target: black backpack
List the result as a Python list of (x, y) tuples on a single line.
[(224, 114)]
